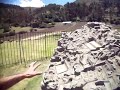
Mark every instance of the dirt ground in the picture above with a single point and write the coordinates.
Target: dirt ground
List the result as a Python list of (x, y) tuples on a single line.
[(57, 28)]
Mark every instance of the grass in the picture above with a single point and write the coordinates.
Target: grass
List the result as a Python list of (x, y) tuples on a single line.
[(18, 29), (27, 50), (26, 84), (117, 27)]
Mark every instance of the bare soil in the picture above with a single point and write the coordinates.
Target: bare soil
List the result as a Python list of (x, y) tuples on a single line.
[(57, 28)]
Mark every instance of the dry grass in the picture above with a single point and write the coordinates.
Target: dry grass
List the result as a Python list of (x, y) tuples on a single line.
[(26, 84)]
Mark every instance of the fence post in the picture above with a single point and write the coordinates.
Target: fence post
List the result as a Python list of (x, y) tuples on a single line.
[(1, 54), (45, 46), (20, 49)]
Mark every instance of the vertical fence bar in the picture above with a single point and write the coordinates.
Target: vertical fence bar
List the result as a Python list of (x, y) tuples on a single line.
[(29, 47), (42, 53), (2, 63), (4, 51), (37, 46), (20, 49), (45, 45), (33, 38), (9, 52), (17, 49)]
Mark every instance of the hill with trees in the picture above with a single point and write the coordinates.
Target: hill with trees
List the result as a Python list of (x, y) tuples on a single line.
[(80, 10)]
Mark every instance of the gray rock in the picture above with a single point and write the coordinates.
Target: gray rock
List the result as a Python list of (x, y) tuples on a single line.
[(85, 59)]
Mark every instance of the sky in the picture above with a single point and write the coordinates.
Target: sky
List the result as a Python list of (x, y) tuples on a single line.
[(35, 3)]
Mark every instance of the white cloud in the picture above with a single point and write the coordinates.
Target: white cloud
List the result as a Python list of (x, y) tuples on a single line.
[(32, 3)]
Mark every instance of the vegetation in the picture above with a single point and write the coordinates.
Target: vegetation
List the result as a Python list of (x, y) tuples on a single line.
[(15, 19), (33, 50), (27, 84), (83, 10), (45, 17), (27, 50)]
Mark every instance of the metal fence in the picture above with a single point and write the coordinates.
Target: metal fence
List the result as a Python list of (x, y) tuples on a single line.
[(26, 47)]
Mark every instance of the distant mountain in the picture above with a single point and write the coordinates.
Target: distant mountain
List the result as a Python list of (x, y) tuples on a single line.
[(30, 9), (88, 2), (13, 14), (2, 5)]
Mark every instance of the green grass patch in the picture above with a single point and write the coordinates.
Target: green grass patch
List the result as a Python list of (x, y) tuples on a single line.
[(18, 29), (117, 27), (29, 83), (27, 50)]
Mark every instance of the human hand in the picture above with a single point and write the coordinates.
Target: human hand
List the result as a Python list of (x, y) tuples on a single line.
[(31, 71)]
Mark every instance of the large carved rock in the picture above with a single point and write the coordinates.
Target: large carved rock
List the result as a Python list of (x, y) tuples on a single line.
[(85, 59)]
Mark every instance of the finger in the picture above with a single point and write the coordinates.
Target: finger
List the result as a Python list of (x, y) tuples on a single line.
[(32, 64), (36, 66), (38, 73)]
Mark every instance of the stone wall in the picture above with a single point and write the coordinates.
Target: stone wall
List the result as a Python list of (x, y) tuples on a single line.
[(85, 59)]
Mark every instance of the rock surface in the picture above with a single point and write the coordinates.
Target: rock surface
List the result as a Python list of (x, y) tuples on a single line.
[(85, 59)]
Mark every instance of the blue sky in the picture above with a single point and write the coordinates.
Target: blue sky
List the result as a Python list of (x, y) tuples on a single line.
[(61, 2), (35, 3)]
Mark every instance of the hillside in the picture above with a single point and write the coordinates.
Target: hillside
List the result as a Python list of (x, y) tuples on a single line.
[(12, 13), (88, 2), (80, 10)]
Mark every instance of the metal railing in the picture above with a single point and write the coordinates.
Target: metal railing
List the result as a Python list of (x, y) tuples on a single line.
[(26, 47)]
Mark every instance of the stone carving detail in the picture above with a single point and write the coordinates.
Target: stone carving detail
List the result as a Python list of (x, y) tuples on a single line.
[(85, 59)]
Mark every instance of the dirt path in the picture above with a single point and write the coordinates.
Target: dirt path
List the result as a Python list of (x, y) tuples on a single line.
[(41, 32), (50, 30)]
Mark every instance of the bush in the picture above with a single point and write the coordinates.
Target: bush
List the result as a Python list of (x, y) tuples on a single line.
[(43, 25), (35, 25), (15, 24), (53, 23), (50, 25), (35, 30), (1, 30), (1, 35), (12, 33), (6, 27), (117, 22), (32, 30), (1, 41), (22, 32)]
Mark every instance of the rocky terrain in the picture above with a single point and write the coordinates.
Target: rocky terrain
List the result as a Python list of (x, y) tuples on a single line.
[(85, 59)]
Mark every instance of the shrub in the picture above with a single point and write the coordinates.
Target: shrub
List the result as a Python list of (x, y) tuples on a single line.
[(22, 32), (15, 24), (35, 29), (43, 25), (1, 41), (6, 27), (53, 23), (117, 22), (1, 35), (50, 25), (12, 33), (35, 25), (32, 30)]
